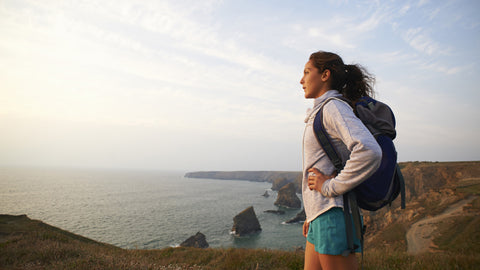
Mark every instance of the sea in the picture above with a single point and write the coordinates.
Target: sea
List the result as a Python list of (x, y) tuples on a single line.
[(136, 209)]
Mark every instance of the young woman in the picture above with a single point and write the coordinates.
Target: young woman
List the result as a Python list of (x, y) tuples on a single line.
[(326, 76)]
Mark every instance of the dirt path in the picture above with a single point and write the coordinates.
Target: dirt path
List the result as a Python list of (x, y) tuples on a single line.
[(419, 236)]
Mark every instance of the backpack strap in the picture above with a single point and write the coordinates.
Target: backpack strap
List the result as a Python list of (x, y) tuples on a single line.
[(399, 174), (348, 226), (349, 200), (324, 139), (357, 221)]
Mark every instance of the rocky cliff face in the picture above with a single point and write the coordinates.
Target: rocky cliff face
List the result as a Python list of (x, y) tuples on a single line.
[(287, 197), (277, 178), (278, 183), (258, 176), (421, 177), (430, 188)]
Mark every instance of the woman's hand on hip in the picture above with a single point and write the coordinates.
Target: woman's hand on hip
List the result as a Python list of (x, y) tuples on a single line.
[(316, 179)]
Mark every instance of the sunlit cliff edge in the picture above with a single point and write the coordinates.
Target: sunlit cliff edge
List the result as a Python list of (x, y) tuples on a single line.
[(442, 219)]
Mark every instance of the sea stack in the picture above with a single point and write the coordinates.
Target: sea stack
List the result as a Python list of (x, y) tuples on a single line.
[(196, 241), (287, 197), (246, 223), (300, 217), (279, 182)]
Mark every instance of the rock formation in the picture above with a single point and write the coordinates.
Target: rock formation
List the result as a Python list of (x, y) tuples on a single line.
[(257, 176), (430, 188), (287, 197), (198, 241), (278, 212), (298, 182), (266, 195), (246, 222), (280, 182), (300, 217)]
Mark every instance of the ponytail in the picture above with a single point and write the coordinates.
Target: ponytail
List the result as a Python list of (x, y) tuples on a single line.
[(353, 81), (358, 83)]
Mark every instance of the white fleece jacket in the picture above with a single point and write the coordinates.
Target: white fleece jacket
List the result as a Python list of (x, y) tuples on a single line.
[(354, 143)]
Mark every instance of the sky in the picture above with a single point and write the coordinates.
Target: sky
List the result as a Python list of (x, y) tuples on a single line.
[(214, 84)]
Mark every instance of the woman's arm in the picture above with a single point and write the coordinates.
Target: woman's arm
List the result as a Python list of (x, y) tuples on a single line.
[(365, 153)]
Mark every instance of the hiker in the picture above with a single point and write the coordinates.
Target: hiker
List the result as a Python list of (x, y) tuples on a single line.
[(326, 76)]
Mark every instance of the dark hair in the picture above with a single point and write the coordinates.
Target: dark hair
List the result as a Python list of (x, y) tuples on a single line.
[(353, 81)]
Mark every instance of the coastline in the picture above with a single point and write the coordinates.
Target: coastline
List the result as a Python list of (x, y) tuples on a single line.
[(32, 244)]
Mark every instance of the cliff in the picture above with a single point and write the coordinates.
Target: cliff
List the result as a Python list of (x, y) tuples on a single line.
[(256, 176), (432, 190), (287, 197)]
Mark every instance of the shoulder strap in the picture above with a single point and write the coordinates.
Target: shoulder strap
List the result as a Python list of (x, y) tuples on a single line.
[(349, 201), (399, 174), (324, 139)]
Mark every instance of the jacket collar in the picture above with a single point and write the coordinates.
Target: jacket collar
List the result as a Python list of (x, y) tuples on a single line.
[(317, 103)]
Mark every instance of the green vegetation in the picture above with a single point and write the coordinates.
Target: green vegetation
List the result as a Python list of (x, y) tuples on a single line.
[(387, 259), (392, 236), (469, 186), (462, 234), (30, 244)]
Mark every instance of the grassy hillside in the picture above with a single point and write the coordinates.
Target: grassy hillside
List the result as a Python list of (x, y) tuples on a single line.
[(432, 188), (31, 244)]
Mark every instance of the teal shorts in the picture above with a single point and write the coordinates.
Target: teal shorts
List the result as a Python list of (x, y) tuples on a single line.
[(327, 233)]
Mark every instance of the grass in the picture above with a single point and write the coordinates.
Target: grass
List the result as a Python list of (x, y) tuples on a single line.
[(389, 259), (31, 244), (392, 236), (469, 186), (462, 234)]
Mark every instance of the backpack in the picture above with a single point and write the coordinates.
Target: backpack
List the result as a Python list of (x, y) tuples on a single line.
[(384, 186)]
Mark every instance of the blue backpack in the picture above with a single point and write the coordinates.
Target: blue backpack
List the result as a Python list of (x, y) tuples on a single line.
[(384, 186)]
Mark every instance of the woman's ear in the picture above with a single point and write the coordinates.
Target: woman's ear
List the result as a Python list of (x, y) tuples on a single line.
[(326, 75)]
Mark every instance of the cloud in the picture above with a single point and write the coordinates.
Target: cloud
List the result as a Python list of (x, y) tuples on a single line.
[(419, 40), (422, 3), (372, 22), (153, 72)]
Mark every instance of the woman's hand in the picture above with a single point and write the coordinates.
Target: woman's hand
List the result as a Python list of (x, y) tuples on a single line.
[(316, 179), (305, 228)]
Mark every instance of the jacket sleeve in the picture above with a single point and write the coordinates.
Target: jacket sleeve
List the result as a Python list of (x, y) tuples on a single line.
[(365, 156)]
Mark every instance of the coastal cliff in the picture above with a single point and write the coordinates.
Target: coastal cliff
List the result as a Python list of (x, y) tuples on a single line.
[(438, 230), (256, 176)]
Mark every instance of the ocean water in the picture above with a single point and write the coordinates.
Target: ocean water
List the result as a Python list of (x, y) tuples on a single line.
[(145, 209)]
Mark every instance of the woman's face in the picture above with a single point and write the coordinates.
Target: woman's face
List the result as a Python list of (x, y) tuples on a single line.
[(314, 83)]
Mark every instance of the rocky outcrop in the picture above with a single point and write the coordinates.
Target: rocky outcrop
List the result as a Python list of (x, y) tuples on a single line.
[(421, 177), (246, 223), (278, 212), (266, 195), (287, 197), (300, 217), (280, 182), (197, 241), (298, 182), (431, 187), (257, 176)]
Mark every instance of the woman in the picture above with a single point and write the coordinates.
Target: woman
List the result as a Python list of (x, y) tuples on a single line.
[(326, 76)]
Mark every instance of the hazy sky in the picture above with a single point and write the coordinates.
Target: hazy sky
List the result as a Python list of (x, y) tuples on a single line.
[(214, 85)]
